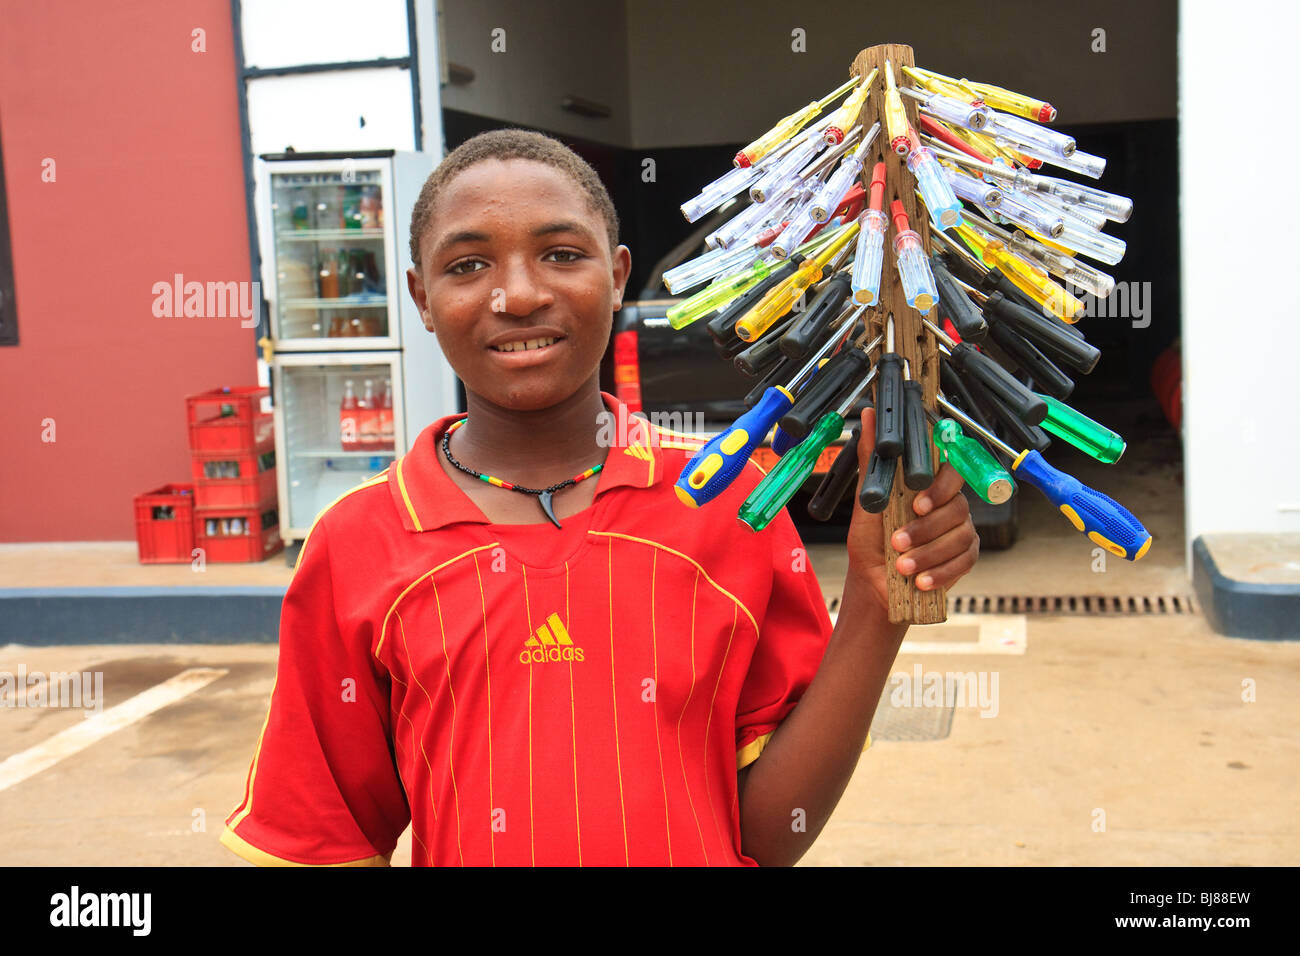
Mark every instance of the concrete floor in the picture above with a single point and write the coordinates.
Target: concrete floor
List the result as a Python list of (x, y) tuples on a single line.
[(1139, 717), (1118, 740)]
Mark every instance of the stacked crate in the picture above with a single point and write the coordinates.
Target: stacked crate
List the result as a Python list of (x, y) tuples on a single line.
[(232, 453)]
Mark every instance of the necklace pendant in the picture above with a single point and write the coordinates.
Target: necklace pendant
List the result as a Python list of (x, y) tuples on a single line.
[(544, 499)]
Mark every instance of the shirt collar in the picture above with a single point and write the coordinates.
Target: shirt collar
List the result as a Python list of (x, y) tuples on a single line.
[(427, 498)]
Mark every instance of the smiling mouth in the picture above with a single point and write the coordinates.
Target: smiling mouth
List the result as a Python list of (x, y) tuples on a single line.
[(525, 346)]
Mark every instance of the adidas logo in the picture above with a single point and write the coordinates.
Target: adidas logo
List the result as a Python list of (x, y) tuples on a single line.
[(638, 451), (551, 642)]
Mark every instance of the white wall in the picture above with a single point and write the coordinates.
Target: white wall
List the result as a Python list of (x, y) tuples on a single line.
[(1240, 374)]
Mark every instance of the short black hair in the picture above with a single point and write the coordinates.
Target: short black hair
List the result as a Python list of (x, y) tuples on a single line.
[(505, 144)]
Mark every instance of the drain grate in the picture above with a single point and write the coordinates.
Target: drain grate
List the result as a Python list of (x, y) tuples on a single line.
[(910, 724), (1085, 604)]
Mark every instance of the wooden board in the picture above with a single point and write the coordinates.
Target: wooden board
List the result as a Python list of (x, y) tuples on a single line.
[(907, 604)]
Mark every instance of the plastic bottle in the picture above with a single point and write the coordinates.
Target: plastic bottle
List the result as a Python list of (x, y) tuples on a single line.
[(368, 419), (350, 419), (386, 439)]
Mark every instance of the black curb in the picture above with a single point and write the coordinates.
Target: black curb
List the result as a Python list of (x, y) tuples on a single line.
[(46, 617), (1234, 608)]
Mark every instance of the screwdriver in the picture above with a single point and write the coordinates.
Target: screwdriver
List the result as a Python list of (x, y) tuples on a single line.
[(936, 192), (715, 296), (877, 483), (780, 484), (953, 89), (1020, 433), (938, 136), (1055, 338), (722, 326), (918, 465), (1082, 432), (963, 265), (955, 306), (783, 441), (782, 298), (1086, 164), (714, 466), (1026, 134), (869, 257), (913, 266), (755, 359), (979, 469), (999, 98), (1047, 377), (977, 191), (813, 321), (1034, 282), (789, 125), (1013, 102), (838, 374), (1105, 521), (832, 194), (950, 110), (889, 397), (847, 115), (843, 472), (1058, 263), (1110, 205), (895, 116), (1024, 404)]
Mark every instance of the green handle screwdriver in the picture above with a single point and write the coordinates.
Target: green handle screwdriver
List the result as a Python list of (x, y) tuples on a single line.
[(981, 471), (1105, 521), (1082, 432), (781, 483)]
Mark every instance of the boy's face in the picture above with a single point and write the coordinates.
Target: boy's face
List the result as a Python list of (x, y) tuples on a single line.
[(514, 252)]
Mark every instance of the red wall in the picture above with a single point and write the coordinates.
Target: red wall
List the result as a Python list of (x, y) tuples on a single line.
[(145, 135)]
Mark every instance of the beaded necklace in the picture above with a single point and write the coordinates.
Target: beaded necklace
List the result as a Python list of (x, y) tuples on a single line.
[(543, 494)]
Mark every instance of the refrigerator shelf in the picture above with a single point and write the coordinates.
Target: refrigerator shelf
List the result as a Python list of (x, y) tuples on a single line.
[(324, 235), (342, 302), (387, 453)]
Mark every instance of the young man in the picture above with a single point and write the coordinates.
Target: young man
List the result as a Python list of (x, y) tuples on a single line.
[(597, 693)]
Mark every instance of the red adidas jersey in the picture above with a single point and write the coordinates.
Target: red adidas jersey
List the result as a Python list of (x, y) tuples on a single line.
[(523, 694)]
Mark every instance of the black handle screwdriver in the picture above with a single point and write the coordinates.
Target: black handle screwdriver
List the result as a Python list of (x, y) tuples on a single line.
[(955, 306), (967, 359), (845, 368), (811, 323), (723, 325), (918, 462), (842, 476), (1061, 342), (1049, 379), (889, 398)]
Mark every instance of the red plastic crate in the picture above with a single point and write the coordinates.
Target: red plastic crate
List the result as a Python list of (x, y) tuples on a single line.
[(255, 538), (227, 479), (164, 525), (230, 420)]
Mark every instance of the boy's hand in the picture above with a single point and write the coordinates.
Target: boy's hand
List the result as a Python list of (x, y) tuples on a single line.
[(938, 545)]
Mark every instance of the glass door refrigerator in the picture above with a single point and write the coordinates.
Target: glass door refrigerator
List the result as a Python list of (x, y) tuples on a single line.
[(355, 375)]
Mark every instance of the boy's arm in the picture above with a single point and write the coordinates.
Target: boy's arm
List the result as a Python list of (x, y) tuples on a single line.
[(323, 789), (810, 757)]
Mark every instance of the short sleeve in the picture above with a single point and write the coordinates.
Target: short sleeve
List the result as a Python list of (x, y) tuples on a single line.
[(323, 789), (793, 634)]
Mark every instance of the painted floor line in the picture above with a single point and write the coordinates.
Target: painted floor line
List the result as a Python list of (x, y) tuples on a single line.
[(90, 730), (998, 634)]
